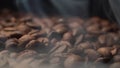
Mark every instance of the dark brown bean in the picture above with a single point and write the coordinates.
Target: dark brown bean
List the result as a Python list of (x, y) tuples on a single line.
[(105, 52), (60, 28), (24, 40)]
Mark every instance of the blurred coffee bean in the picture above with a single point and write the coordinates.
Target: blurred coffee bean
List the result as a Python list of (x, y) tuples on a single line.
[(55, 35), (79, 39), (116, 58), (94, 29), (91, 54), (3, 38), (105, 52), (74, 61), (115, 65), (60, 28), (85, 45), (24, 40), (23, 28), (33, 25), (9, 29), (39, 34), (11, 44), (2, 46), (26, 54)]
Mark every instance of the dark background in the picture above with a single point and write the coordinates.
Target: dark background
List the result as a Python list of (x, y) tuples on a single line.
[(97, 7), (8, 4)]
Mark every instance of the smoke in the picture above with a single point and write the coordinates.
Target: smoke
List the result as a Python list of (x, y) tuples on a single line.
[(115, 8), (64, 7), (31, 6), (72, 7)]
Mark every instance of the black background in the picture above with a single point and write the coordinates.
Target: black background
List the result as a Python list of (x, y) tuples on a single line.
[(96, 7)]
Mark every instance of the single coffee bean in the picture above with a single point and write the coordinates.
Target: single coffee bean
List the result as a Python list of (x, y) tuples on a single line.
[(94, 29), (68, 36), (26, 54), (74, 61), (91, 54), (11, 44), (3, 38), (105, 52), (23, 28), (60, 28), (23, 41), (34, 25), (116, 58), (115, 65)]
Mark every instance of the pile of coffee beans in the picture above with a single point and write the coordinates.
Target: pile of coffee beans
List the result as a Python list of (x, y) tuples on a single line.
[(27, 41)]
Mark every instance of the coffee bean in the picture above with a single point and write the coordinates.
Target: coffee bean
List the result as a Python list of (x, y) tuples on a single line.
[(24, 40), (74, 61), (115, 65)]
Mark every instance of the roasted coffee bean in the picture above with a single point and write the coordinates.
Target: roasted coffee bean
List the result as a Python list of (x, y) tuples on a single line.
[(11, 44), (36, 45), (104, 23), (3, 38), (102, 39), (91, 54), (75, 22), (55, 35), (58, 42), (3, 61), (74, 25), (100, 63), (60, 28), (44, 41), (68, 36), (85, 45), (53, 41), (79, 39), (13, 55), (23, 28), (2, 46), (33, 32), (26, 54), (90, 37), (10, 24), (107, 39), (105, 52), (32, 44), (74, 61), (55, 60), (95, 20), (39, 34), (24, 40), (5, 53), (115, 65), (26, 19), (94, 29), (9, 29), (97, 45), (34, 25), (116, 58), (60, 47)]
